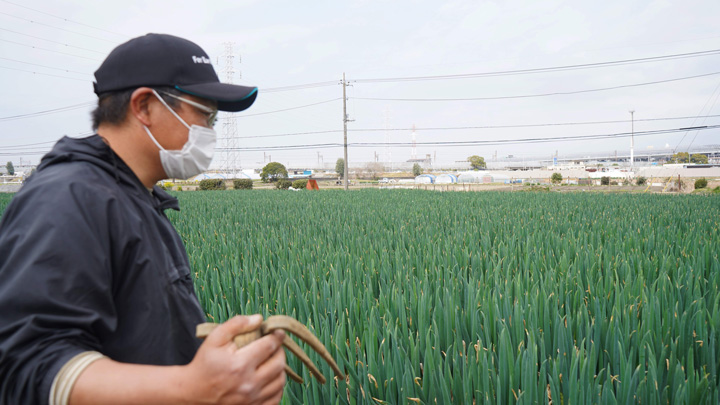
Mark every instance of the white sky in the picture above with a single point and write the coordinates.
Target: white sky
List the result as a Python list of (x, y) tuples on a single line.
[(286, 43)]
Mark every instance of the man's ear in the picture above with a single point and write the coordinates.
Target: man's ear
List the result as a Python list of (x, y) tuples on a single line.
[(139, 105)]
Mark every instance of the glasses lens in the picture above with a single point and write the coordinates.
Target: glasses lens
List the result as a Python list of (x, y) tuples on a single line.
[(210, 113), (213, 118)]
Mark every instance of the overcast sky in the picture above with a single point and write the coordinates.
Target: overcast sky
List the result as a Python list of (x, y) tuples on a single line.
[(50, 49)]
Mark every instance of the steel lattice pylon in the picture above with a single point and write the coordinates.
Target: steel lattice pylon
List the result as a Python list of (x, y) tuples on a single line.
[(228, 141)]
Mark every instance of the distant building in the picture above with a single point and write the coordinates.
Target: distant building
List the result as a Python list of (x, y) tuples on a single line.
[(427, 161)]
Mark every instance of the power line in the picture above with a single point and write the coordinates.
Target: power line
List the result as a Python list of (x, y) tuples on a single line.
[(442, 143), (34, 150), (47, 67), (393, 129), (44, 74), (57, 28), (49, 50), (299, 87), (540, 140), (481, 142), (64, 19), (542, 94), (469, 127), (26, 145), (61, 109), (50, 40), (710, 109), (697, 117), (240, 137), (290, 147), (284, 109), (292, 134), (687, 130), (527, 125), (22, 153), (545, 69), (45, 112)]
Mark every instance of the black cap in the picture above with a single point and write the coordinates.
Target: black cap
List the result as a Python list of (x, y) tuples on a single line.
[(166, 60)]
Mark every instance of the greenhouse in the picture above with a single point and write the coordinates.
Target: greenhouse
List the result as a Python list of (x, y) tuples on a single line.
[(500, 178), (223, 176), (446, 179), (206, 176), (425, 179), (474, 177), (468, 177)]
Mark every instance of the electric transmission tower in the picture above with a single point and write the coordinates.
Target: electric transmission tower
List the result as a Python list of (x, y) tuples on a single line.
[(413, 151), (230, 163), (388, 152)]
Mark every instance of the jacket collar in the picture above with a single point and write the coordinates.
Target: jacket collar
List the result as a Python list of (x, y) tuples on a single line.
[(95, 150)]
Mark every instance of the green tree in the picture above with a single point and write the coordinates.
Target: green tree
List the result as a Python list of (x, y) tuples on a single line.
[(556, 178), (273, 171), (477, 162), (700, 183), (208, 184), (641, 181), (340, 167), (300, 184), (605, 181), (10, 168), (283, 184), (699, 158), (680, 157), (242, 184), (417, 169)]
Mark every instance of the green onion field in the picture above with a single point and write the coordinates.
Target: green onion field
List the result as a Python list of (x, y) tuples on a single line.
[(428, 297)]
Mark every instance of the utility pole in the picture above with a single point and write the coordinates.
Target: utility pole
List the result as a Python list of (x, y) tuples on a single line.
[(345, 120), (632, 138)]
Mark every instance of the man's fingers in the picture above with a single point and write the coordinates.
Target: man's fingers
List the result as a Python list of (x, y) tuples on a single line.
[(270, 369), (275, 400), (272, 392), (261, 350), (237, 325)]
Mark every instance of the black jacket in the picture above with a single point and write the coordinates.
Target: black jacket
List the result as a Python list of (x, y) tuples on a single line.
[(89, 261)]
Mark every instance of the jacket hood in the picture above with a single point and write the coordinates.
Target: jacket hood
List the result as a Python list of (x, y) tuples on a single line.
[(94, 150)]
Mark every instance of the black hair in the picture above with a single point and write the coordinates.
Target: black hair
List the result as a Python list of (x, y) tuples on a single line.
[(112, 106)]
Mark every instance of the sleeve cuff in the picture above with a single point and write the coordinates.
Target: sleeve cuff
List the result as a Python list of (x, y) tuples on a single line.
[(65, 379)]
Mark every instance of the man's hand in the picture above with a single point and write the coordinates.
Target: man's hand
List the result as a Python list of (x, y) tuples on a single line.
[(222, 374), (219, 374)]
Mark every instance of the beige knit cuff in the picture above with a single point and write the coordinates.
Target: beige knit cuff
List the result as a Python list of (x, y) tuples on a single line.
[(65, 379)]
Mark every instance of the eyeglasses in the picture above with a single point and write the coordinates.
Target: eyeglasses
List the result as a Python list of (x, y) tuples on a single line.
[(210, 113)]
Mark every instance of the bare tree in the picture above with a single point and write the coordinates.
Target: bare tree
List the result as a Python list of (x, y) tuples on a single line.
[(373, 170)]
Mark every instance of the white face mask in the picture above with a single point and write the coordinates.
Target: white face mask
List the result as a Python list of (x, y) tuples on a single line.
[(195, 156)]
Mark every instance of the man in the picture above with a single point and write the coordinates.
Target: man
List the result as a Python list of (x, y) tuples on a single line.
[(96, 300)]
